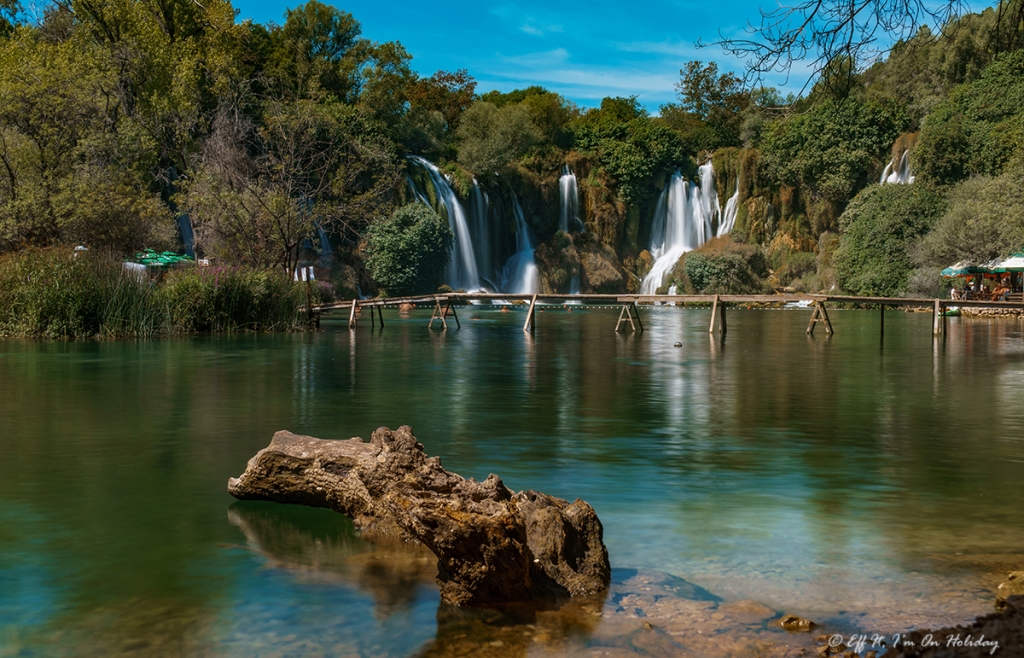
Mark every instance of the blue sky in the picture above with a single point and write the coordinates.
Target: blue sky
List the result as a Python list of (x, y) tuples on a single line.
[(584, 51)]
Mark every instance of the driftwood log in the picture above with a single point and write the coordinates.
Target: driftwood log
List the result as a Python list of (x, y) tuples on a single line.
[(492, 546)]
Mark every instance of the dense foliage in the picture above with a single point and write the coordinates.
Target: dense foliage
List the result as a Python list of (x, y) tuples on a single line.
[(979, 129), (878, 228), (408, 252), (121, 119), (984, 220), (830, 149), (57, 293)]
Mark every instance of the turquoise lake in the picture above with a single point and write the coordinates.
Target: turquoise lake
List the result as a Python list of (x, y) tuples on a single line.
[(870, 486)]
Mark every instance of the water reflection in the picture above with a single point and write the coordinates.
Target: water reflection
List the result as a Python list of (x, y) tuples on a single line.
[(320, 546), (866, 488)]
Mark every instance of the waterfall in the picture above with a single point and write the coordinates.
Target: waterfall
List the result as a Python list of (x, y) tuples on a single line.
[(188, 237), (711, 208), (324, 240), (479, 210), (732, 207), (519, 275), (898, 175), (684, 218), (462, 273), (568, 202)]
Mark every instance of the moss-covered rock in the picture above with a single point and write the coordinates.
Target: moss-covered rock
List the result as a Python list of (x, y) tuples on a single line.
[(600, 267)]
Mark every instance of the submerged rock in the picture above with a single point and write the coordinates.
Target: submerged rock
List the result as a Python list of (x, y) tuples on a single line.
[(796, 624), (1013, 586), (493, 546)]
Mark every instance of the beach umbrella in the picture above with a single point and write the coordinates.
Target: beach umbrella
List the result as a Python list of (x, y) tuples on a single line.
[(1014, 263), (963, 268)]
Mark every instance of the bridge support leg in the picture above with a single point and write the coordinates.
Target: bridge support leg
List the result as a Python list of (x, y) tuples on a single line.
[(629, 313), (380, 315), (938, 319), (819, 315), (718, 311), (437, 314), (449, 307), (352, 315), (881, 320), (528, 326)]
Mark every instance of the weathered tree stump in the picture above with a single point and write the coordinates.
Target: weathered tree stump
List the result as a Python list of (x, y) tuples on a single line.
[(492, 546)]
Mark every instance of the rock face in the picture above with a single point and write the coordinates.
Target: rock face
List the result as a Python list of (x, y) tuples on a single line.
[(493, 546)]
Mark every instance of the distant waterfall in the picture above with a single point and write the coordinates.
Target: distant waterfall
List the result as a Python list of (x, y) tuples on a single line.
[(188, 237), (519, 274), (685, 218), (732, 207), (462, 272), (568, 202), (486, 254), (899, 175), (711, 209), (480, 230)]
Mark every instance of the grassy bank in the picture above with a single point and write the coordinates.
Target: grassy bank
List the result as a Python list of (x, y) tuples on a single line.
[(54, 293)]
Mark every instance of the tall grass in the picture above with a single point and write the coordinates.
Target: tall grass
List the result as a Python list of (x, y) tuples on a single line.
[(56, 294)]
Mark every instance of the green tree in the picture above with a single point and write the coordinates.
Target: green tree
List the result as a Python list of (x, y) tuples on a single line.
[(9, 10), (630, 146), (551, 113), (710, 109), (979, 129), (491, 138), (315, 50), (985, 220), (408, 252), (878, 229), (831, 149)]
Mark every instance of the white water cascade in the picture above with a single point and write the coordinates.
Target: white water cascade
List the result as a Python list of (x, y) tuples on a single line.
[(898, 175), (568, 202), (462, 273), (685, 218), (732, 207), (519, 275)]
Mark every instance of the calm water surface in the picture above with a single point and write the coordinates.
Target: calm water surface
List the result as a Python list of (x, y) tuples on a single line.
[(868, 486)]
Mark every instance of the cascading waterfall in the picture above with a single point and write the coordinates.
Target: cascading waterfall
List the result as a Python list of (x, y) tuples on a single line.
[(480, 253), (480, 230), (685, 218), (898, 175), (188, 237), (732, 207), (568, 202), (462, 273), (519, 274), (710, 207)]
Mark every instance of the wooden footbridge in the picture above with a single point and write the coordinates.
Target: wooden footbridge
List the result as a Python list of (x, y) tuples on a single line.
[(629, 315)]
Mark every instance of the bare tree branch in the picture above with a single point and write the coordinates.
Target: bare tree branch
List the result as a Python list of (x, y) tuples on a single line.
[(818, 34)]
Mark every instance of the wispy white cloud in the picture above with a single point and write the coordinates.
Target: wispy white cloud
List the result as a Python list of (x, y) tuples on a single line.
[(539, 31), (670, 48), (537, 60)]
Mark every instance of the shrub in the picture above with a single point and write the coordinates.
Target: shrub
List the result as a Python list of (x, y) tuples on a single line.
[(408, 252), (56, 293), (723, 267), (875, 232)]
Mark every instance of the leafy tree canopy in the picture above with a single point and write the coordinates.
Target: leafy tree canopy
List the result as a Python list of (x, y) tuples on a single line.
[(830, 149), (408, 252), (877, 230)]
